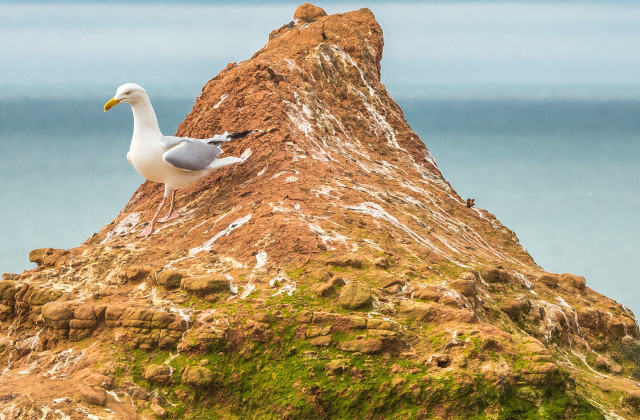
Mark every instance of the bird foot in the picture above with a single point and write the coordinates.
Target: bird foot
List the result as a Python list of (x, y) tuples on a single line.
[(148, 231), (172, 215)]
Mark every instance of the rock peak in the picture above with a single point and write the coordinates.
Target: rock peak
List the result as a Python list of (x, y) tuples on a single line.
[(308, 12), (357, 33)]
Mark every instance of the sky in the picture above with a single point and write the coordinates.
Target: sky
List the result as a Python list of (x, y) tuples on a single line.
[(444, 48)]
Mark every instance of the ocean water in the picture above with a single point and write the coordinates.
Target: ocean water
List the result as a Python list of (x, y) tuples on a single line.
[(562, 173)]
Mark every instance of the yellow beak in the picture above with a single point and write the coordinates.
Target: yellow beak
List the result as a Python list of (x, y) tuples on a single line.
[(112, 102)]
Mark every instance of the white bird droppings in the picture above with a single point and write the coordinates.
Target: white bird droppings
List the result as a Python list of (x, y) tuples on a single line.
[(123, 228), (222, 98), (261, 259), (225, 232), (246, 154)]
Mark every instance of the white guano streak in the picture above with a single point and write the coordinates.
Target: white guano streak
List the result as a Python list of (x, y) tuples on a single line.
[(222, 98), (125, 226), (225, 232), (261, 259), (378, 212)]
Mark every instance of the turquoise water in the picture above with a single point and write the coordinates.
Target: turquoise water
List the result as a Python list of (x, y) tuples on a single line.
[(563, 174)]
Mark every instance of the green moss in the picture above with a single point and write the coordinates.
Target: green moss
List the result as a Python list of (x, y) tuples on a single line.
[(449, 270), (438, 339), (302, 299), (295, 274), (555, 404), (631, 355), (286, 377), (176, 411), (521, 363)]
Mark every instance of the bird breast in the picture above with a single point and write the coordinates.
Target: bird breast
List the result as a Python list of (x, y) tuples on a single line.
[(146, 157)]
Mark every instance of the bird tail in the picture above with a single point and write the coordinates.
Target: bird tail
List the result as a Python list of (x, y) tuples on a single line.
[(218, 139)]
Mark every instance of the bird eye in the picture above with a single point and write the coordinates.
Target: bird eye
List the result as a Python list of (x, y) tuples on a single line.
[(128, 92)]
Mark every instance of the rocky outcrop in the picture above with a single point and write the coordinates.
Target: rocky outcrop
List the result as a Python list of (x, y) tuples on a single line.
[(355, 295), (197, 376), (334, 273)]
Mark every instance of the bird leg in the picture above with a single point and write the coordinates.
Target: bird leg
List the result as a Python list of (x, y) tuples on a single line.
[(149, 230), (172, 213)]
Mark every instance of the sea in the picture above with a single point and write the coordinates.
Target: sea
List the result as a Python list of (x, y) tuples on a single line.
[(563, 173)]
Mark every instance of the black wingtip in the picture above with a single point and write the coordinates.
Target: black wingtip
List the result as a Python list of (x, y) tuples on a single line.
[(241, 134), (227, 137)]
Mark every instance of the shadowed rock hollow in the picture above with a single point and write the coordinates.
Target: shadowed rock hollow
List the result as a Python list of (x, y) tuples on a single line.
[(333, 273)]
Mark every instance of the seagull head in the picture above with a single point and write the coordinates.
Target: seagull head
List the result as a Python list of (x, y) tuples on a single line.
[(129, 92)]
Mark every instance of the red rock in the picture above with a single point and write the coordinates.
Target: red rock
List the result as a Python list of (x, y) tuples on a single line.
[(321, 341), (91, 395), (169, 278), (589, 318), (466, 287), (366, 346), (158, 410), (355, 295), (158, 374), (355, 261), (7, 290), (85, 312), (616, 327), (309, 12), (491, 275), (138, 273), (511, 307), (47, 257), (418, 310), (548, 279), (381, 262), (429, 293), (98, 380), (197, 376), (572, 280), (56, 312), (205, 285), (633, 398), (336, 367), (379, 324), (322, 289)]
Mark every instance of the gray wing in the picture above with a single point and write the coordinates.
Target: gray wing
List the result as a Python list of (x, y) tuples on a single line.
[(171, 141), (190, 154)]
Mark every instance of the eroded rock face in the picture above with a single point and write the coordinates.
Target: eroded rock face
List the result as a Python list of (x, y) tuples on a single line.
[(355, 295), (170, 279), (159, 374), (197, 376), (336, 251), (91, 395)]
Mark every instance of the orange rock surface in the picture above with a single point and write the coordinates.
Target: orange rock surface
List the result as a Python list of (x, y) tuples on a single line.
[(336, 189)]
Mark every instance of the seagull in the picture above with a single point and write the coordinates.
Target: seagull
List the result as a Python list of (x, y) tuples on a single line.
[(173, 161)]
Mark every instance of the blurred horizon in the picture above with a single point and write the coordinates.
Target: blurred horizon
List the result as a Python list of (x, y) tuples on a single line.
[(456, 49)]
